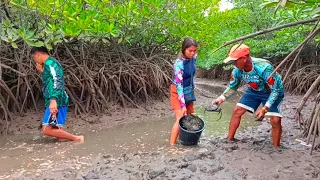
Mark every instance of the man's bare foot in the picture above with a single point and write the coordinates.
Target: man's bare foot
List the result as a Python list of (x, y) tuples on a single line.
[(79, 139), (233, 140)]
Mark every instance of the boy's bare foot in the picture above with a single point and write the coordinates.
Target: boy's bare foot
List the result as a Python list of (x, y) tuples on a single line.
[(62, 140), (79, 139)]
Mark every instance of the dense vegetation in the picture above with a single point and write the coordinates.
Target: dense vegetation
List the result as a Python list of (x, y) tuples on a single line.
[(149, 23)]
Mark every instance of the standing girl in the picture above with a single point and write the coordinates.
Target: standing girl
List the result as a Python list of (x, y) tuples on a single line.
[(182, 88)]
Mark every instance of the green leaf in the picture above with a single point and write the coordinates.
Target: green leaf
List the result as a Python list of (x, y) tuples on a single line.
[(4, 38), (56, 41), (9, 33), (268, 4), (48, 46), (71, 19), (30, 43), (29, 35), (21, 33), (312, 1), (7, 23), (14, 45), (105, 41), (120, 40), (19, 5), (315, 11), (283, 3)]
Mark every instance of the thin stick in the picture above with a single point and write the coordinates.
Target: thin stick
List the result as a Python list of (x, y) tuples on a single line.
[(313, 124), (315, 119), (314, 136)]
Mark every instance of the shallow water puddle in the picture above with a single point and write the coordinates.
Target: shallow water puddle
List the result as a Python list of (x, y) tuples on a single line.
[(34, 154), (217, 127)]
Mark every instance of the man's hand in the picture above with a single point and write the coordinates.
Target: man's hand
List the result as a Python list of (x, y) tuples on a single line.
[(39, 67), (53, 107), (218, 101), (261, 113)]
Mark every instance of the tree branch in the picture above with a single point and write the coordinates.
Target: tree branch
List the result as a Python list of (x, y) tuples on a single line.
[(310, 36), (300, 50), (8, 67), (308, 94), (266, 31)]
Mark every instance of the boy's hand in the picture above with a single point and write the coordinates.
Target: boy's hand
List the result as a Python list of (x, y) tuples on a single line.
[(39, 67), (53, 107)]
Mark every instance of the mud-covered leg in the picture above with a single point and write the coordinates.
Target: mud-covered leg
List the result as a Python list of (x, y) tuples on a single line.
[(235, 121), (276, 130)]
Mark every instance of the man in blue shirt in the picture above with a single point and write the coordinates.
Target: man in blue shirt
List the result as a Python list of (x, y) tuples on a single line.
[(263, 88)]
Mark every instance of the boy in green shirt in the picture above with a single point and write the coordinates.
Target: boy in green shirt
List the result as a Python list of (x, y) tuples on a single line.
[(55, 96)]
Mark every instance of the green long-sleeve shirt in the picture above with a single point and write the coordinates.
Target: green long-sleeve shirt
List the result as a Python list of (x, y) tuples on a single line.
[(53, 84)]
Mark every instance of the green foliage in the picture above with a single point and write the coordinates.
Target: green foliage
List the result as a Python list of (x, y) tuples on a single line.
[(248, 17), (295, 9), (161, 23)]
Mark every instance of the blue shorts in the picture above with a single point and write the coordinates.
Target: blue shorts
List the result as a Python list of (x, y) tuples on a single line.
[(252, 99), (60, 117)]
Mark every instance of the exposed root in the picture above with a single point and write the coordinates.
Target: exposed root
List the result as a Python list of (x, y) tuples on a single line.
[(301, 79)]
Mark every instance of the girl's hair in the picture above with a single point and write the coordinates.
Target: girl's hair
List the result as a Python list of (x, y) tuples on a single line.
[(187, 42)]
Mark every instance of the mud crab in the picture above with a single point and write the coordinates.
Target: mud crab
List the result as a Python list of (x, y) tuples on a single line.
[(214, 108)]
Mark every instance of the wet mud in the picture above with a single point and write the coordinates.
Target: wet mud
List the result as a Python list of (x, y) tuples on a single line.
[(142, 151)]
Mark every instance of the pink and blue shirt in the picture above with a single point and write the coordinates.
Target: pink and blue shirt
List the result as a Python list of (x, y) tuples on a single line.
[(184, 71)]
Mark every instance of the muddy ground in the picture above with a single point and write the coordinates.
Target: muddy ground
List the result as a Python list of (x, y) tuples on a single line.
[(116, 116), (253, 157)]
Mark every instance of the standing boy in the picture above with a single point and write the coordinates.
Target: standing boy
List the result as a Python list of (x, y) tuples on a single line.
[(55, 96)]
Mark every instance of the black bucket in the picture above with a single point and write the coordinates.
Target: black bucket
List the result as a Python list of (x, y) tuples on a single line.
[(189, 138)]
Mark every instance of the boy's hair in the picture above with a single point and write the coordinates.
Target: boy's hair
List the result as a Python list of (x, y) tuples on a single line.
[(188, 42), (39, 49)]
